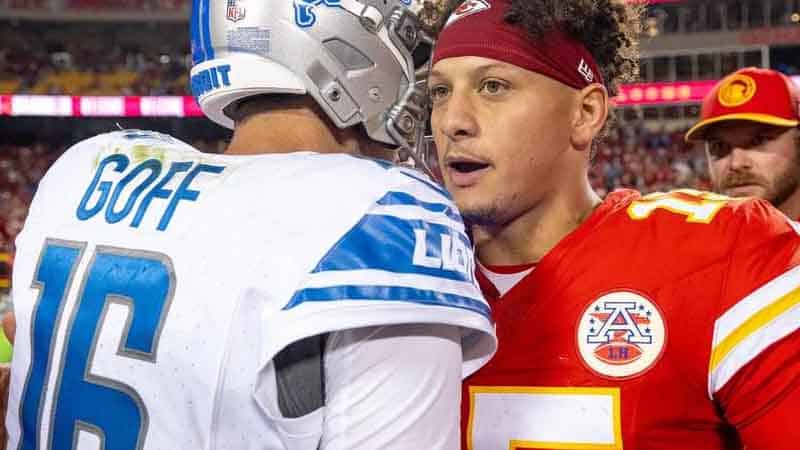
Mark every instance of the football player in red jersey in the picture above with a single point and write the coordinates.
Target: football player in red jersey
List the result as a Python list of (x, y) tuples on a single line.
[(749, 124), (660, 322)]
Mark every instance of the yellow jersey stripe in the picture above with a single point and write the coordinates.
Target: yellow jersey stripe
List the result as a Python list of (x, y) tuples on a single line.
[(752, 325), (754, 302)]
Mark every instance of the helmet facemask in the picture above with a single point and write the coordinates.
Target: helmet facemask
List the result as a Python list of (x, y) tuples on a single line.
[(407, 119)]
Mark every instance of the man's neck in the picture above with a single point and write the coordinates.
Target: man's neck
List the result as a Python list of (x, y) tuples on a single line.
[(289, 130), (528, 238)]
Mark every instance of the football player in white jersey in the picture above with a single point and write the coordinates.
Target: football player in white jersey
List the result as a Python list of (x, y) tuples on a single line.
[(285, 295)]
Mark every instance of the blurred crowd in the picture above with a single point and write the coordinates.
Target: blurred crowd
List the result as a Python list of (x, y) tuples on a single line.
[(649, 161), (136, 5), (106, 60), (631, 157), (21, 168)]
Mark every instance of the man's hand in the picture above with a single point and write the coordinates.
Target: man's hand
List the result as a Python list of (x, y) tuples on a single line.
[(10, 325), (10, 328)]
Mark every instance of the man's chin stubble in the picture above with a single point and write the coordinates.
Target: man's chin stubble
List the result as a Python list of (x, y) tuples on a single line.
[(488, 216)]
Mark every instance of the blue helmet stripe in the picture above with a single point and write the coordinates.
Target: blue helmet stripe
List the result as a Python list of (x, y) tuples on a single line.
[(204, 19), (198, 52), (388, 293)]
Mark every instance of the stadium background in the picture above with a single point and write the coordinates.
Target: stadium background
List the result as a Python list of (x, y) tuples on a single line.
[(70, 69)]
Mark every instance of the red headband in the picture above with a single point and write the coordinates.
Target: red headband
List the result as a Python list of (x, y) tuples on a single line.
[(477, 28)]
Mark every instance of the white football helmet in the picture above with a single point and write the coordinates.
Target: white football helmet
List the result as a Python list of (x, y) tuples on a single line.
[(363, 61)]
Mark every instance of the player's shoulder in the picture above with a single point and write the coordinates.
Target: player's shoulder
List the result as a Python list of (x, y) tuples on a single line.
[(400, 254), (137, 145), (380, 184), (392, 177), (688, 213), (123, 139), (759, 216), (410, 187)]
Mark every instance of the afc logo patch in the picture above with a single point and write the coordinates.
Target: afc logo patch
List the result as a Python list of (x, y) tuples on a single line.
[(621, 335)]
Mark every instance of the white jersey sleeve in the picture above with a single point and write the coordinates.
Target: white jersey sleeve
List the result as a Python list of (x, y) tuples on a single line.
[(406, 260)]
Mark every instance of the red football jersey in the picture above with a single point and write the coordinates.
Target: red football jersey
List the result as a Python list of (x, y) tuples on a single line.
[(663, 322)]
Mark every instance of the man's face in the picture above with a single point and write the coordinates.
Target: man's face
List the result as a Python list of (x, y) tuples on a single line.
[(501, 133), (748, 159)]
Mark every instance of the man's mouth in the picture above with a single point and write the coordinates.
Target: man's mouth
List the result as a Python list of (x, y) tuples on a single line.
[(467, 166), (740, 189), (464, 172), (741, 184)]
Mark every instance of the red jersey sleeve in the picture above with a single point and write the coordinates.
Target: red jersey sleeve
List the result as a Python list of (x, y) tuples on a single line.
[(755, 362), (776, 429)]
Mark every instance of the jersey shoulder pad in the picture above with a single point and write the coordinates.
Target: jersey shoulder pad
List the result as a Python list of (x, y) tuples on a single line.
[(139, 144), (759, 215), (688, 214)]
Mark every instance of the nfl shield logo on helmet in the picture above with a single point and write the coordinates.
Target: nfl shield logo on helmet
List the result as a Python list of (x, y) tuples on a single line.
[(235, 12), (621, 335)]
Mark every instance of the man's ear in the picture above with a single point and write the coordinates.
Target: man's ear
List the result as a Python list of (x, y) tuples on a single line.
[(590, 116)]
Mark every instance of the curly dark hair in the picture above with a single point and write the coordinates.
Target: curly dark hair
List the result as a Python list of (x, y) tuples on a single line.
[(609, 30)]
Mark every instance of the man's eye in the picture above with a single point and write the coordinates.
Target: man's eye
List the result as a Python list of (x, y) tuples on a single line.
[(438, 92), (493, 87), (760, 139), (718, 150)]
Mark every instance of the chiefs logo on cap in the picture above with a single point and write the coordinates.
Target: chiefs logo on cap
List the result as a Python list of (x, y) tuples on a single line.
[(737, 90), (750, 94), (468, 8)]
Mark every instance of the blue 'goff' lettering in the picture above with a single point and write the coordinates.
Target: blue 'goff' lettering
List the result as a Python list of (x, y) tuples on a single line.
[(84, 211), (151, 165), (118, 200)]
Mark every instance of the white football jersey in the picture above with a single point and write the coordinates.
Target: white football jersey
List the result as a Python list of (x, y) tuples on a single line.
[(153, 285)]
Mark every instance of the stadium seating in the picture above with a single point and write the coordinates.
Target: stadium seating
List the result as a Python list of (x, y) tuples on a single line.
[(93, 59)]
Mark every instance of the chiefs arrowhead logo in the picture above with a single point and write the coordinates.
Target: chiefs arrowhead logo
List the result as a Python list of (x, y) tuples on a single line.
[(468, 8)]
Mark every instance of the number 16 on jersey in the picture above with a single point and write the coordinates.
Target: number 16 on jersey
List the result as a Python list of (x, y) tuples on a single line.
[(144, 283)]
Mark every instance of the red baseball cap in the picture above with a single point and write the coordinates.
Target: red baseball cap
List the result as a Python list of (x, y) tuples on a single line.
[(751, 94)]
